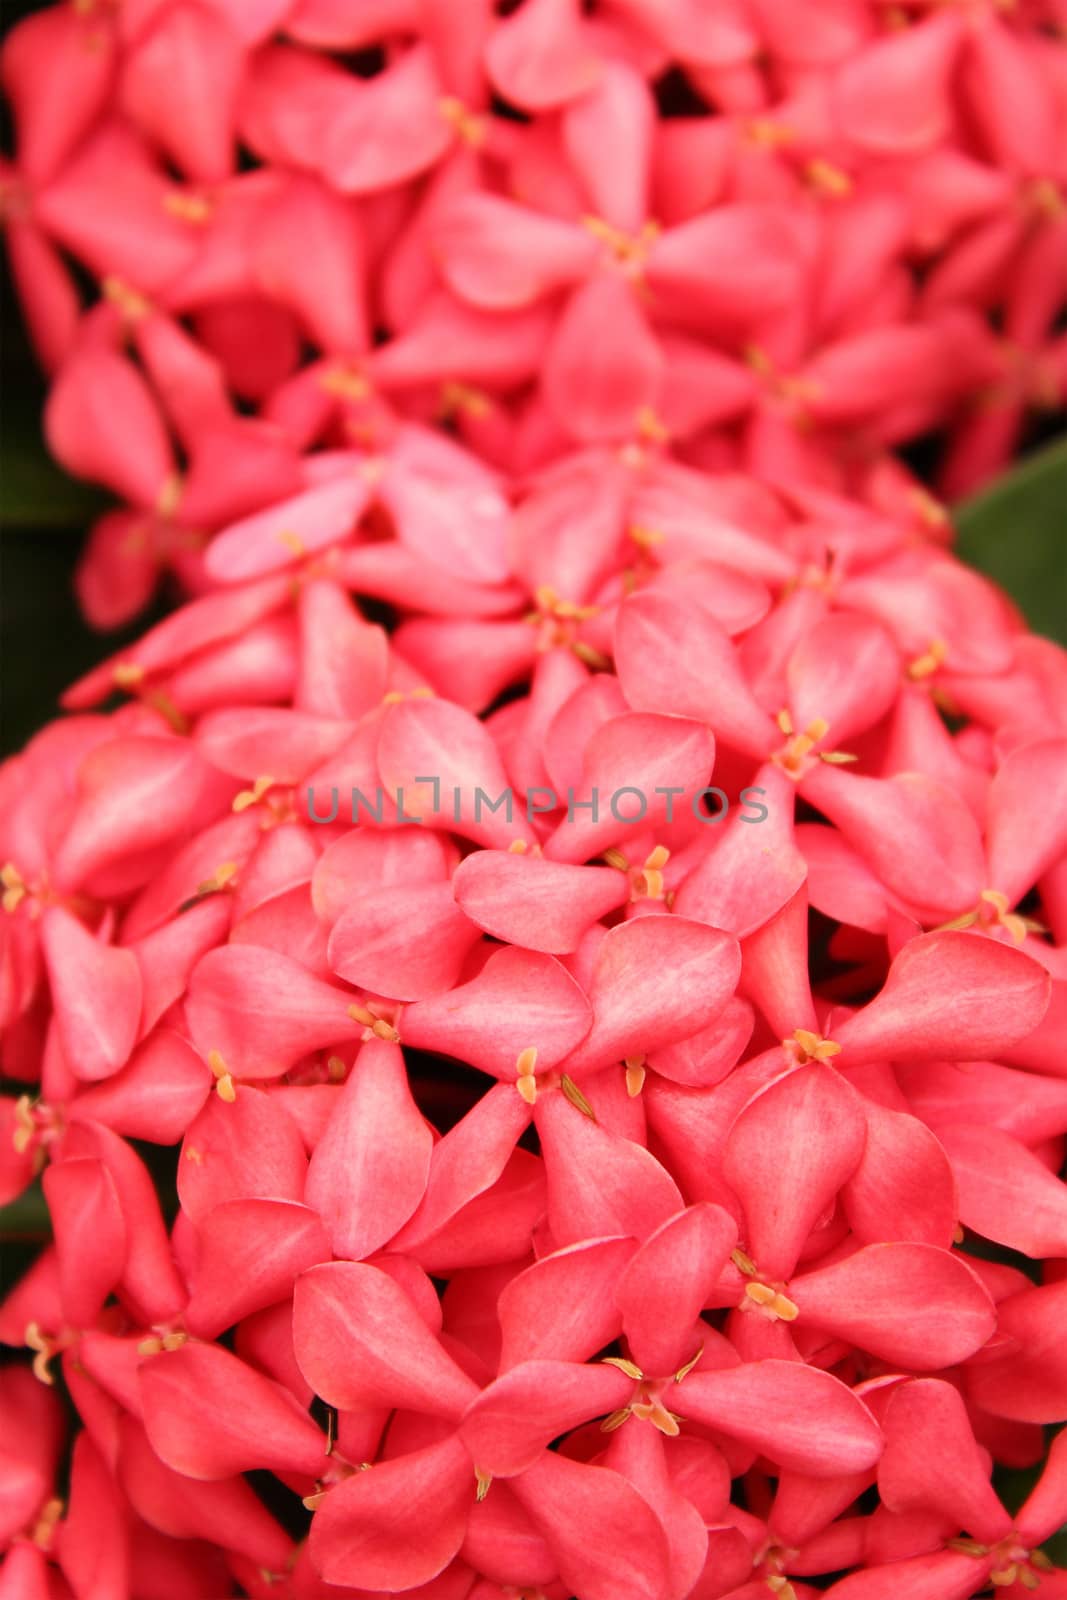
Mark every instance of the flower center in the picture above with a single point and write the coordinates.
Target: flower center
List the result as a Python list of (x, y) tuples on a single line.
[(799, 754), (805, 1047), (767, 1300), (625, 251)]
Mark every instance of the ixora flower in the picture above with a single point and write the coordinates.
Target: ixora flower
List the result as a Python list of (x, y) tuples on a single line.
[(536, 995)]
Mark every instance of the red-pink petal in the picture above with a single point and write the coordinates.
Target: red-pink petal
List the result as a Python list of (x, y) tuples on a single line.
[(361, 1343), (368, 1172), (914, 1305)]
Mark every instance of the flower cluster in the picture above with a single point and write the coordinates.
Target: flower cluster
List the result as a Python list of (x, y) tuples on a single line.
[(776, 243), (570, 1196), (578, 890)]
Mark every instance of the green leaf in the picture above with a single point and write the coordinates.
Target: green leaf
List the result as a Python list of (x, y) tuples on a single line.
[(26, 1217), (1016, 533), (34, 491)]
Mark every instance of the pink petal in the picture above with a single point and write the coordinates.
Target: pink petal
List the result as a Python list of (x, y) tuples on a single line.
[(322, 282), (634, 1009), (441, 767), (603, 366), (942, 1575), (96, 992), (786, 1157), (179, 85), (1026, 830), (676, 658), (344, 661), (99, 397), (1006, 1193), (397, 1524), (368, 1172), (619, 116), (246, 1150), (919, 837), (90, 1235), (58, 70), (540, 59), (262, 1011), (954, 996), (747, 869), (361, 1343), (466, 1163), (628, 764), (372, 944), (1045, 1507), (799, 1416), (538, 904), (914, 1305), (507, 1428), (608, 1542), (250, 1253), (599, 1183), (209, 1416), (379, 857), (846, 671), (757, 256), (386, 129), (903, 1187), (893, 95), (676, 1267), (932, 1462), (501, 256), (563, 1306), (268, 540), (519, 1000), (92, 1544)]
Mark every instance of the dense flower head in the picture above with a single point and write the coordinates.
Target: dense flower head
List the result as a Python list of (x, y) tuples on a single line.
[(536, 996), (603, 989), (241, 229)]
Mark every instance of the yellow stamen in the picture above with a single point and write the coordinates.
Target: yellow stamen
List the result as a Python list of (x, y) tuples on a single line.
[(651, 427), (463, 399), (224, 1084), (346, 383), (45, 1526), (44, 1350), (683, 1372), (629, 1369), (828, 179), (646, 537), (129, 302), (926, 665), (169, 496), (220, 879), (808, 1046), (188, 207), (127, 674), (484, 1479), (769, 135), (576, 1097), (251, 797), (466, 124), (635, 1075)]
